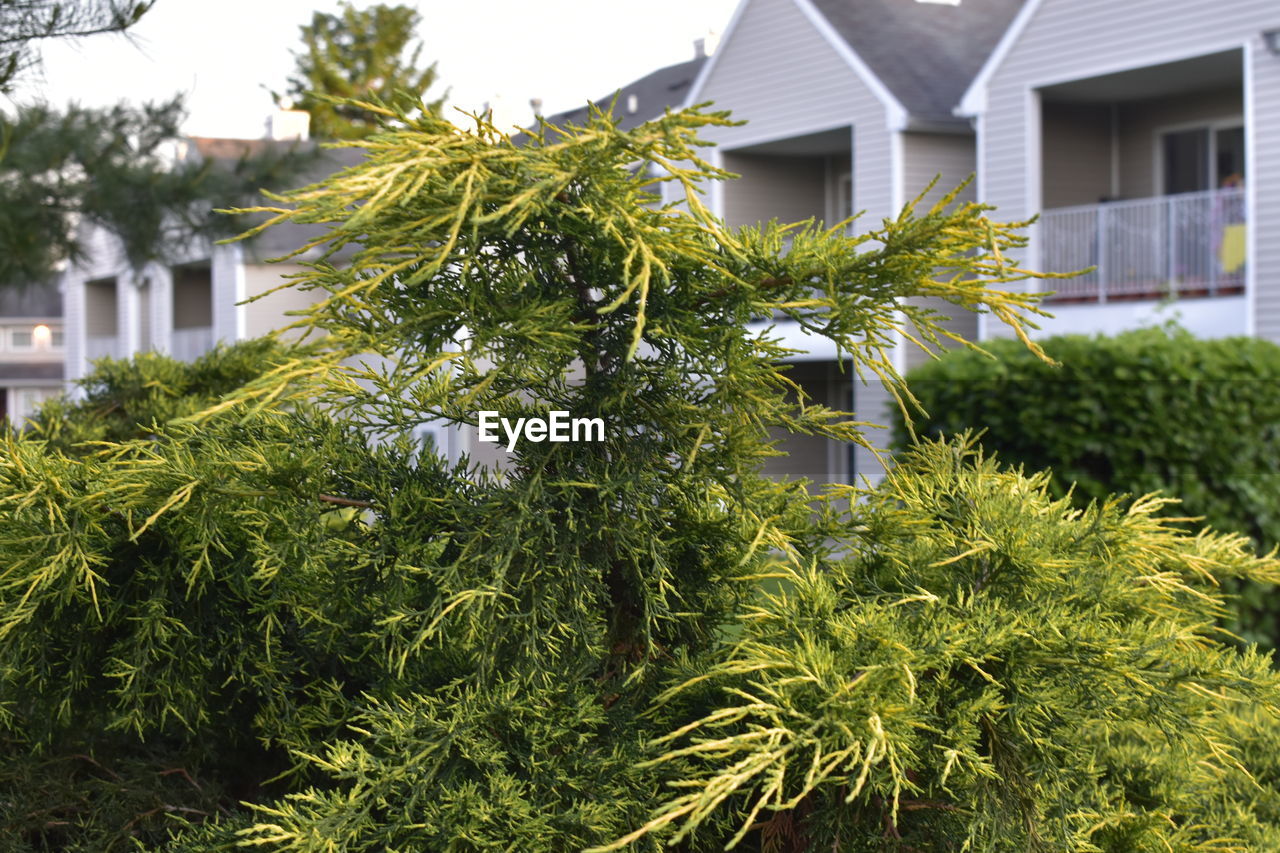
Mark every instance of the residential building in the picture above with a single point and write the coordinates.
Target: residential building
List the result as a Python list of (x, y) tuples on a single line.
[(31, 349), (849, 107), (199, 296), (183, 307), (1142, 133), (644, 99), (1146, 135)]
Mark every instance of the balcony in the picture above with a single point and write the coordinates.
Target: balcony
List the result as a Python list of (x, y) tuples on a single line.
[(1186, 245), (190, 343), (101, 346)]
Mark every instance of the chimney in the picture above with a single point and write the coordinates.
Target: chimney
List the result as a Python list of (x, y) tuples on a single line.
[(706, 46), (289, 124), (536, 105)]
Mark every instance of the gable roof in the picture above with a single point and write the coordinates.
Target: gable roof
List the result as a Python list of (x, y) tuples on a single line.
[(653, 94), (926, 54)]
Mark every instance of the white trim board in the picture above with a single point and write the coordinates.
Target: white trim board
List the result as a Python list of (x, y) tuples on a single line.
[(1250, 193), (1033, 195), (974, 100)]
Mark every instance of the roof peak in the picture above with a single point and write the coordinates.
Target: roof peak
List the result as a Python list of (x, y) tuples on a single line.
[(926, 52)]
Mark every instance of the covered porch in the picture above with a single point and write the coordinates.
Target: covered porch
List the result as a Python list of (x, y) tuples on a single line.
[(1143, 182), (809, 176)]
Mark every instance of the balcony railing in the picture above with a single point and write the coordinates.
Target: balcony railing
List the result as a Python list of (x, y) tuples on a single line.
[(191, 343), (100, 346), (1191, 244)]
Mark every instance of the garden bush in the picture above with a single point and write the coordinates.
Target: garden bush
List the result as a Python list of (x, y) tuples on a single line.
[(277, 623), (1154, 409), (123, 399)]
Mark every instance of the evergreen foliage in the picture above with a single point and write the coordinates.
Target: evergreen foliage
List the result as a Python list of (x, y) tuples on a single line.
[(125, 399), (25, 23), (988, 668), (362, 55), (115, 167), (345, 642), (1149, 410)]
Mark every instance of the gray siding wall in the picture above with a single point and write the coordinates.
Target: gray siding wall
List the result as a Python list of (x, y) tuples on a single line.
[(950, 158), (789, 189), (776, 71), (272, 312), (1264, 139), (1077, 39)]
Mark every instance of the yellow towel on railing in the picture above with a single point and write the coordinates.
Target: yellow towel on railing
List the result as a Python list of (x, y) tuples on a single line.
[(1232, 252)]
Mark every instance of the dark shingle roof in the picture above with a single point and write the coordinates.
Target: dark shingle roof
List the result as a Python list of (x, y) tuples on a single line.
[(653, 93), (927, 54), (281, 239)]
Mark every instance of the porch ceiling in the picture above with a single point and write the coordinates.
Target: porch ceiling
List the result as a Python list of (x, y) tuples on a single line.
[(835, 141), (1201, 73)]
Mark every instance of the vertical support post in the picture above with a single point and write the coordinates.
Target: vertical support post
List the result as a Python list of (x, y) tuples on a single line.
[(1217, 231), (1102, 253)]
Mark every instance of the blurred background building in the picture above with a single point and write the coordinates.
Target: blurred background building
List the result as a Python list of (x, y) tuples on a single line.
[(1145, 139)]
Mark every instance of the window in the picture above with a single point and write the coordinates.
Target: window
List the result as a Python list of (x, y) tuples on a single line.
[(38, 338), (192, 297), (1202, 158)]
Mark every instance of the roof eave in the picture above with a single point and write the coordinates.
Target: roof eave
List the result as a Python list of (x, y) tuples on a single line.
[(939, 124)]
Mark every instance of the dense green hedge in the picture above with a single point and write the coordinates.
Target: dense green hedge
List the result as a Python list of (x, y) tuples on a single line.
[(1153, 409)]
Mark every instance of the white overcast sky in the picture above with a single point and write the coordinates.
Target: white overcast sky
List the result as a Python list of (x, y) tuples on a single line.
[(221, 53)]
